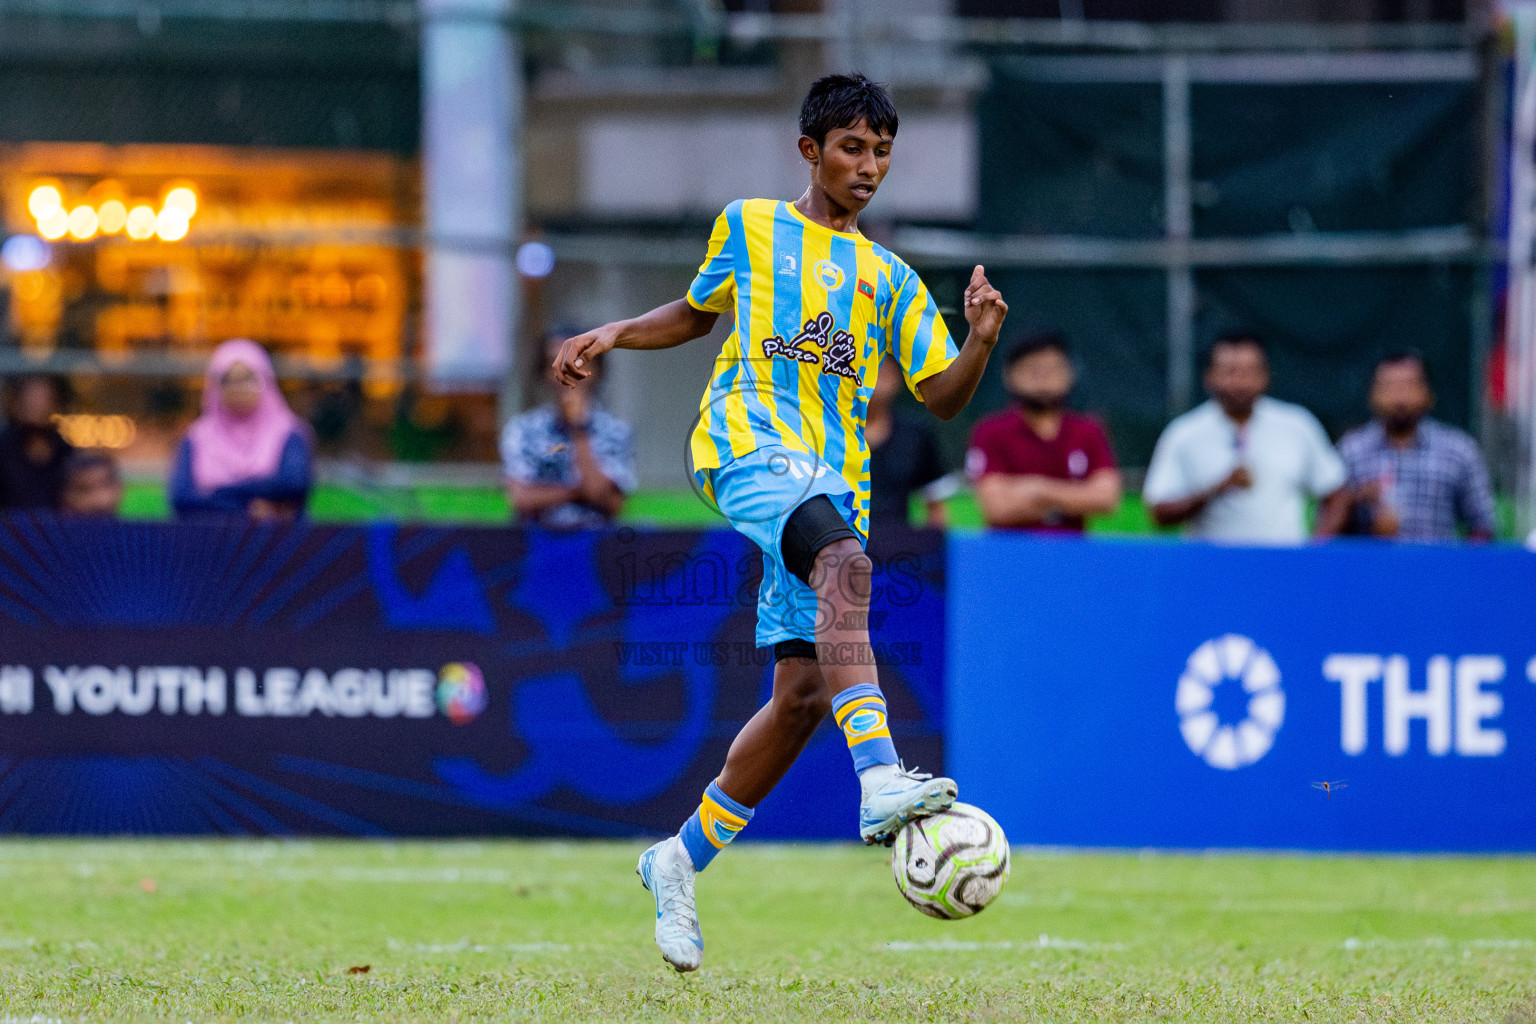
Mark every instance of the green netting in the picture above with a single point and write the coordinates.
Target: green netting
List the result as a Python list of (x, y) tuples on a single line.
[(1064, 158), (1335, 157), (1086, 159)]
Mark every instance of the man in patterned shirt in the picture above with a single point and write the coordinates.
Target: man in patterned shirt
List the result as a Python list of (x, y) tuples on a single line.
[(568, 464), (1412, 477)]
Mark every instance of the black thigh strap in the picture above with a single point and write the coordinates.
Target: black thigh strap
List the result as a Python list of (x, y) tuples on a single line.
[(795, 648), (811, 527)]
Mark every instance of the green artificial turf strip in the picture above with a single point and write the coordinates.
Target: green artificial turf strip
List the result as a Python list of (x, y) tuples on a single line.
[(667, 509), (194, 931)]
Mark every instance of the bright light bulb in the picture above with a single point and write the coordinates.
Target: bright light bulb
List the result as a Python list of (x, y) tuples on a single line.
[(44, 200), (83, 222), (181, 198), (113, 215), (172, 224), (53, 226), (141, 223)]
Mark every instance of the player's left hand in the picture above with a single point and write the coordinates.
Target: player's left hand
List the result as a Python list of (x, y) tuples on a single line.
[(985, 309)]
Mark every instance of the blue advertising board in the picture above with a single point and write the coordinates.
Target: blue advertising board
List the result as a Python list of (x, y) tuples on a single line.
[(256, 679), (1184, 695)]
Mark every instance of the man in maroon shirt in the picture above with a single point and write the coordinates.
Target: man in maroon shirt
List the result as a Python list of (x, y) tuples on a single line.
[(1037, 465)]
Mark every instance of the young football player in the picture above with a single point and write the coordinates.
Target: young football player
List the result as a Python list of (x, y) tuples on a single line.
[(779, 447)]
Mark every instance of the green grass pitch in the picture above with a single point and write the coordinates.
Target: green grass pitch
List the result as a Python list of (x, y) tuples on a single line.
[(193, 931)]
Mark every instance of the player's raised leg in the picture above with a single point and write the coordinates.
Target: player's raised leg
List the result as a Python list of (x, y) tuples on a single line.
[(832, 562)]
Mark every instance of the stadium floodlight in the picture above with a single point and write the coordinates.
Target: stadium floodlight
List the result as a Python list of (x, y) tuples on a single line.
[(113, 215), (44, 200), (53, 225), (83, 223), (141, 223)]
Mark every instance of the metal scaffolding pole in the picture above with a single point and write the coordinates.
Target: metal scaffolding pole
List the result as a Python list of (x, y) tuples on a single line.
[(1178, 226), (472, 112), (1521, 311)]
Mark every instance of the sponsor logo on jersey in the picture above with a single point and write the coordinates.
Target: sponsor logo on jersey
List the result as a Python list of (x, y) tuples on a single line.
[(819, 341), (788, 265)]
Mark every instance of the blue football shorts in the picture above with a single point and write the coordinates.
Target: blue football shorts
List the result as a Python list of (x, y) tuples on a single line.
[(757, 493)]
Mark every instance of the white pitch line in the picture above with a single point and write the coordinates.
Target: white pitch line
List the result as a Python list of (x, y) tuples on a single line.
[(1435, 942), (1043, 942)]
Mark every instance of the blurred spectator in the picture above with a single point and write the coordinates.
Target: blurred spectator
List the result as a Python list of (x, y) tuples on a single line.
[(247, 454), (32, 452), (1241, 466), (92, 485), (568, 463), (1410, 476), (1038, 465), (903, 458)]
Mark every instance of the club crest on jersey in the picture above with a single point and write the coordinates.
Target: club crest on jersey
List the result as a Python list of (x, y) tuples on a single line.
[(834, 349), (830, 275)]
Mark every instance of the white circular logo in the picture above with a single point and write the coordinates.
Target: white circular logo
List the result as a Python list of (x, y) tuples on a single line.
[(1230, 659), (830, 275), (1077, 462)]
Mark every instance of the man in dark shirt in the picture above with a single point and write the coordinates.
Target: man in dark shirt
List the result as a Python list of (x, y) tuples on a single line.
[(903, 458), (1037, 465), (32, 452)]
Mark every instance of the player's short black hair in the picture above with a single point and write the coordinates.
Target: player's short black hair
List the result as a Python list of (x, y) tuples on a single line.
[(841, 101), (1234, 339), (1032, 343), (1404, 355)]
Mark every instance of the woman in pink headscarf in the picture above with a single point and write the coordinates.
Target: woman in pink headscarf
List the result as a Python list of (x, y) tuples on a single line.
[(247, 454)]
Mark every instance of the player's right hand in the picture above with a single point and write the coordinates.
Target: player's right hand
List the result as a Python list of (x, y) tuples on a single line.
[(574, 362)]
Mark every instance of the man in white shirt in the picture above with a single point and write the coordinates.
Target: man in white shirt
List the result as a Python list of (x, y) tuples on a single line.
[(1240, 467)]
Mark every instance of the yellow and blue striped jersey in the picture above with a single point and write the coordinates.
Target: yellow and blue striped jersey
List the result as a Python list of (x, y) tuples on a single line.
[(816, 312)]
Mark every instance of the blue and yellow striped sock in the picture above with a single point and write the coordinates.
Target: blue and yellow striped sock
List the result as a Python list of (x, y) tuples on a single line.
[(714, 824), (860, 713)]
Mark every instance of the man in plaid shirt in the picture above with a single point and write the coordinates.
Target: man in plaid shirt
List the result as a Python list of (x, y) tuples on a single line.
[(1412, 477)]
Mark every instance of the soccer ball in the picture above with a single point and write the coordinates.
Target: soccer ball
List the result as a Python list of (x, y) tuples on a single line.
[(953, 864)]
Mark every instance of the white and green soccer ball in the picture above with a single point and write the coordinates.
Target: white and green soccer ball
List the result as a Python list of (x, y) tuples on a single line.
[(953, 864)]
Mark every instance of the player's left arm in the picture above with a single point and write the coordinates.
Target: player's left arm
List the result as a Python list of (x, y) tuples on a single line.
[(948, 391)]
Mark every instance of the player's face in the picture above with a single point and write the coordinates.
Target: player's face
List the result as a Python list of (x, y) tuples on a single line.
[(1042, 380), (850, 164), (35, 404), (93, 492), (241, 390), (1400, 397), (1238, 376)]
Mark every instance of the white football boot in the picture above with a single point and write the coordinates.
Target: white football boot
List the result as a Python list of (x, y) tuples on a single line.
[(667, 871), (894, 796)]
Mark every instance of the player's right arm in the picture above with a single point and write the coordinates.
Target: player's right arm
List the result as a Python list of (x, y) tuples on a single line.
[(713, 292), (663, 327)]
